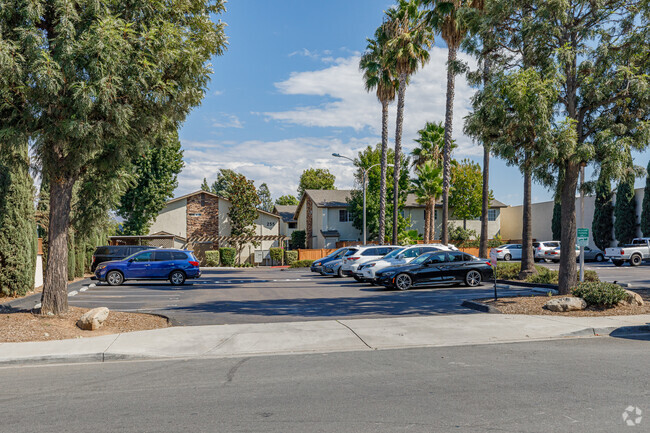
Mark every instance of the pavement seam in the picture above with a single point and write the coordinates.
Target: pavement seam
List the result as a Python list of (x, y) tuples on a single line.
[(109, 346), (358, 336)]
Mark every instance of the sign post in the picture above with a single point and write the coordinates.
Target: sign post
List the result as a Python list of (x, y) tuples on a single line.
[(493, 262), (582, 241)]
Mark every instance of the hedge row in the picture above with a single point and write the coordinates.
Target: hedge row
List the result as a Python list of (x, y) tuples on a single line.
[(302, 263)]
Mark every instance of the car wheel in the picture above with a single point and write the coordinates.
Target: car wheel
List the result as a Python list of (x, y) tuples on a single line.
[(635, 260), (114, 278), (473, 278), (177, 278), (507, 257), (600, 257), (617, 262), (403, 282), (339, 273)]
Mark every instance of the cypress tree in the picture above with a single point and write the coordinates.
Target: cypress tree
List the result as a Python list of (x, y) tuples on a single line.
[(556, 221), (17, 225), (625, 211), (645, 206), (603, 223)]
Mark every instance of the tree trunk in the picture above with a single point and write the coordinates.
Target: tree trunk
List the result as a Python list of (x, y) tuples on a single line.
[(485, 207), (527, 259), (55, 288), (384, 169), (432, 221), (427, 223), (446, 157), (567, 277), (398, 152)]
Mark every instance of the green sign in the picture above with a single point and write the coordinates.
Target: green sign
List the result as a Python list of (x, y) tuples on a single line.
[(583, 237)]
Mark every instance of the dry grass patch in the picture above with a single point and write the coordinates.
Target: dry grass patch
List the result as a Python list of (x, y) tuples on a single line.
[(534, 305), (26, 326)]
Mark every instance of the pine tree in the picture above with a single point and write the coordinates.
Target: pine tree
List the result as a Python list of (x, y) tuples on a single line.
[(603, 223), (17, 225), (625, 212), (205, 186), (556, 222), (265, 198), (645, 206)]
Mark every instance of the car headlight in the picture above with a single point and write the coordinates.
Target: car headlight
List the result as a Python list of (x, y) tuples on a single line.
[(100, 267), (317, 264), (388, 274), (371, 265)]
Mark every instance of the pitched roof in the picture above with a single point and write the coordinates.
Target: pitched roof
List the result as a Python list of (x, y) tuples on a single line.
[(287, 212), (213, 195)]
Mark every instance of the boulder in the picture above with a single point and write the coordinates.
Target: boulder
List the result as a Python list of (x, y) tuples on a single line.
[(632, 298), (93, 319), (566, 304)]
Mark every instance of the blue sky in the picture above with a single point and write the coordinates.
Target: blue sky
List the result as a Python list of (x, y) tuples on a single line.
[(288, 93)]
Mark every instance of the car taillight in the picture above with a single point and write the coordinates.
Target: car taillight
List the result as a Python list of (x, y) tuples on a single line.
[(354, 258), (488, 263), (539, 248), (622, 251), (193, 263), (93, 261), (498, 251)]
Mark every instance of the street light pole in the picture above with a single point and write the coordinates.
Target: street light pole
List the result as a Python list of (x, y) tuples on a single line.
[(364, 180)]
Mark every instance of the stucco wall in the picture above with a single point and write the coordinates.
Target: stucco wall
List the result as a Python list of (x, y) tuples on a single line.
[(172, 219), (38, 280)]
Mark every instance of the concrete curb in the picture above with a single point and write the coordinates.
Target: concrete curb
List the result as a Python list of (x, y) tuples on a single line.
[(479, 306)]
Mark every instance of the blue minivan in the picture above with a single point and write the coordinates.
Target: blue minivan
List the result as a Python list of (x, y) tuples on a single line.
[(159, 264)]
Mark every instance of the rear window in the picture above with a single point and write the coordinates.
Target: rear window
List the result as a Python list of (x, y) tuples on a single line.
[(413, 252), (177, 255), (552, 244), (372, 252), (457, 257), (163, 256), (102, 251), (350, 252)]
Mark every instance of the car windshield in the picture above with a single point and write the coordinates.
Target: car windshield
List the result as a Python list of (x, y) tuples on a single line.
[(336, 253), (394, 253), (423, 258)]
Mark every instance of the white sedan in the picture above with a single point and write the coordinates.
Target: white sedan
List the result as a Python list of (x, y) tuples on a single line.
[(509, 252)]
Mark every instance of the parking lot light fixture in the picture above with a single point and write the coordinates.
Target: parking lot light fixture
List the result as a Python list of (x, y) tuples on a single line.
[(364, 172)]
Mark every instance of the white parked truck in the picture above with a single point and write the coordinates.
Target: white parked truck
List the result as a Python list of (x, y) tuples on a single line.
[(635, 253)]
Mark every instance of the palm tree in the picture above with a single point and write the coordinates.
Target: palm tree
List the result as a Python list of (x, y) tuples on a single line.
[(428, 188), (406, 50), (378, 76), (445, 19)]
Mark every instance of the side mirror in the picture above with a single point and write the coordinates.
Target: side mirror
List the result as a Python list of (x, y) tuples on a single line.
[(400, 256)]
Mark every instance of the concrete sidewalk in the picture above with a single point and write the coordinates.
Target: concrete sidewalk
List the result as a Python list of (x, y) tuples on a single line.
[(319, 337)]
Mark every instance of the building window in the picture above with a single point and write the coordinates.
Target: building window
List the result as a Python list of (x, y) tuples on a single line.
[(293, 225), (435, 214), (493, 214), (202, 199), (344, 216), (195, 214)]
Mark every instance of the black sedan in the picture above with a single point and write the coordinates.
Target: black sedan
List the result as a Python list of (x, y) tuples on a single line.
[(440, 267)]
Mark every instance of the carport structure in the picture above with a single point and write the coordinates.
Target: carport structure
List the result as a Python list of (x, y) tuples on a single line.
[(161, 240)]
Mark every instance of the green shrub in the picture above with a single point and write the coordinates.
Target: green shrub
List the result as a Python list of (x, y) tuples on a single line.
[(600, 294), (508, 270), (277, 255), (302, 263), (227, 256), (212, 258), (245, 265), (543, 276), (590, 276), (298, 239), (290, 257)]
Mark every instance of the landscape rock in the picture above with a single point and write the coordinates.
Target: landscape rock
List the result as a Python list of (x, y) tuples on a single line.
[(566, 304), (93, 319), (632, 298)]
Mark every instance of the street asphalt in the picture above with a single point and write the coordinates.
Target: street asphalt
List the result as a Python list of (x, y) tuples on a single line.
[(578, 385), (275, 295)]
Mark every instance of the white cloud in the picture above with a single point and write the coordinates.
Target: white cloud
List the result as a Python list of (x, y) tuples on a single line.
[(226, 120), (350, 106), (279, 164), (217, 92)]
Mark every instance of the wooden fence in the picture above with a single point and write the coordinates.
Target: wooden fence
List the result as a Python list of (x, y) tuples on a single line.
[(313, 254)]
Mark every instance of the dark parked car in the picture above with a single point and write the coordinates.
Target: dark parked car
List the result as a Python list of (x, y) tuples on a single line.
[(115, 252), (440, 267), (159, 264)]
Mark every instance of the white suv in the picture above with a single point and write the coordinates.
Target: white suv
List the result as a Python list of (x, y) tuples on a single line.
[(363, 255), (541, 248), (366, 272)]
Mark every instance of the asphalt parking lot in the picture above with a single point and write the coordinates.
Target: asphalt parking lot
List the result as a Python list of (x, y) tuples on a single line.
[(274, 295)]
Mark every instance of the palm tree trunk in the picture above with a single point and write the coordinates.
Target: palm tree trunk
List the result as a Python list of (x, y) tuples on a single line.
[(384, 169), (427, 225), (527, 259), (55, 294), (449, 118), (398, 152), (485, 206), (432, 220)]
